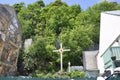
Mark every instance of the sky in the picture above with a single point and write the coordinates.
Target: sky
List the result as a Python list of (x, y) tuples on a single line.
[(83, 3)]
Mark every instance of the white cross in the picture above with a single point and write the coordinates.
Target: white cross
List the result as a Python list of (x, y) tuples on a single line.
[(61, 50)]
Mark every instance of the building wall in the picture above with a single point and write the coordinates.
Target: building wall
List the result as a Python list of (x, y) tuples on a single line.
[(109, 31), (90, 63), (92, 73), (108, 62), (89, 60)]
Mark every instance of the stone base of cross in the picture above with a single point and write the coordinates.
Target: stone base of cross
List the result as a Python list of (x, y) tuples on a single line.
[(61, 50)]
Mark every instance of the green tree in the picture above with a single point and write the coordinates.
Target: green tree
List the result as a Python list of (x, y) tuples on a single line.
[(30, 17), (39, 56), (76, 29), (18, 7), (77, 39), (91, 16)]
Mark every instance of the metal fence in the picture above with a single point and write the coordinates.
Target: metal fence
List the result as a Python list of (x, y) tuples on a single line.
[(19, 78)]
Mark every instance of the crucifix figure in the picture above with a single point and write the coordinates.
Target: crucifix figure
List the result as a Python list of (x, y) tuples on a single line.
[(61, 50)]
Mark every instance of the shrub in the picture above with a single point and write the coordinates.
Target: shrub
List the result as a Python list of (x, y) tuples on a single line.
[(76, 74)]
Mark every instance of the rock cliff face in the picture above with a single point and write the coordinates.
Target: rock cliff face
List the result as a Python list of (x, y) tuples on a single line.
[(10, 40)]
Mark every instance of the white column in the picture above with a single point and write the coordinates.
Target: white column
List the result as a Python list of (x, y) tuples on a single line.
[(68, 66)]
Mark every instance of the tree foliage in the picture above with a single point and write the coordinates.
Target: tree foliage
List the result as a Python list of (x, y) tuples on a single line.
[(45, 24)]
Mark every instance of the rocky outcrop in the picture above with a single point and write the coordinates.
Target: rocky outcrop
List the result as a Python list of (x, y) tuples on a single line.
[(10, 40)]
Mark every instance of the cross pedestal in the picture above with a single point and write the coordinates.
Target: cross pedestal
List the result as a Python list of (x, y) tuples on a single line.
[(61, 50)]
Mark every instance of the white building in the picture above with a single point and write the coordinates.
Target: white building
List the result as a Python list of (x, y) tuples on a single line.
[(109, 40)]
